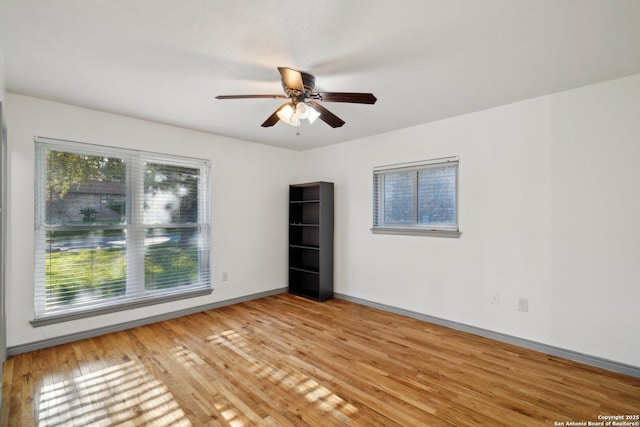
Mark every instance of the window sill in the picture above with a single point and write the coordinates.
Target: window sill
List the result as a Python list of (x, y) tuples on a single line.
[(416, 232), (90, 312)]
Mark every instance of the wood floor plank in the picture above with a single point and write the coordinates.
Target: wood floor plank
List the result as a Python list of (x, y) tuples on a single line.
[(7, 375), (15, 394), (287, 361), (29, 375)]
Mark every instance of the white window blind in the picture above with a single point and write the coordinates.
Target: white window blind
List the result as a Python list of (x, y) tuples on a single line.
[(417, 198), (117, 228)]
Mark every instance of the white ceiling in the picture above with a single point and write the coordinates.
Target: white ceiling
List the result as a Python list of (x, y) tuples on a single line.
[(425, 60)]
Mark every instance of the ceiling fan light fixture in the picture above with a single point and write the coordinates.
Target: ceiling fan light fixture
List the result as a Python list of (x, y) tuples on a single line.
[(302, 110), (286, 113), (313, 114), (292, 114), (294, 120)]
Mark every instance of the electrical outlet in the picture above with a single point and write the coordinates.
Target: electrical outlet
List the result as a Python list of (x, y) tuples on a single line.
[(523, 305), (495, 298), (224, 276)]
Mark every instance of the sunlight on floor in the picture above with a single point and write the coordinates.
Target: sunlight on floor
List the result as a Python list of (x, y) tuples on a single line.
[(125, 393), (233, 416), (186, 356), (289, 379)]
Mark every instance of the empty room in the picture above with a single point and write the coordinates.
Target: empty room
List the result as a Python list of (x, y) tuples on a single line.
[(320, 213)]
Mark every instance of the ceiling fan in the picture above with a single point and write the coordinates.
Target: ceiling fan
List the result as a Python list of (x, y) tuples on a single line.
[(303, 101)]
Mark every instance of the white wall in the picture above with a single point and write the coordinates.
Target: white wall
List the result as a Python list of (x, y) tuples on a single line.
[(549, 211), (250, 209), (2, 78), (3, 336)]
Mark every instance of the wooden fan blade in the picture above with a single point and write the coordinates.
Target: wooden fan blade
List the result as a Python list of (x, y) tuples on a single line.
[(327, 116), (354, 97), (292, 78), (273, 119), (250, 96)]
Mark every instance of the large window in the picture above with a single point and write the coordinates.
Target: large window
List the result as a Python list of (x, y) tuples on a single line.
[(117, 229), (417, 198)]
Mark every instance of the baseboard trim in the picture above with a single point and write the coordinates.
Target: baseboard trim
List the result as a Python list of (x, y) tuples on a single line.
[(587, 359), (64, 339)]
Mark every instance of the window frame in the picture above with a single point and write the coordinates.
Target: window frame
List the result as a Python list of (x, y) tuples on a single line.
[(134, 225), (414, 228)]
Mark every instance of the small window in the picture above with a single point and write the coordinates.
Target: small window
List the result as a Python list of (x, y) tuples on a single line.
[(417, 198), (116, 229)]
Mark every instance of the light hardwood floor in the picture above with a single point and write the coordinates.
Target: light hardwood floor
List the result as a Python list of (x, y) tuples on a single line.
[(284, 360)]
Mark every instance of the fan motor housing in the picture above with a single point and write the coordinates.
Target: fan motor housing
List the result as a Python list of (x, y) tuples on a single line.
[(308, 81)]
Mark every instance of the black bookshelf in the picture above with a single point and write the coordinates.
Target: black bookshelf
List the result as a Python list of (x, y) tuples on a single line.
[(311, 240)]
